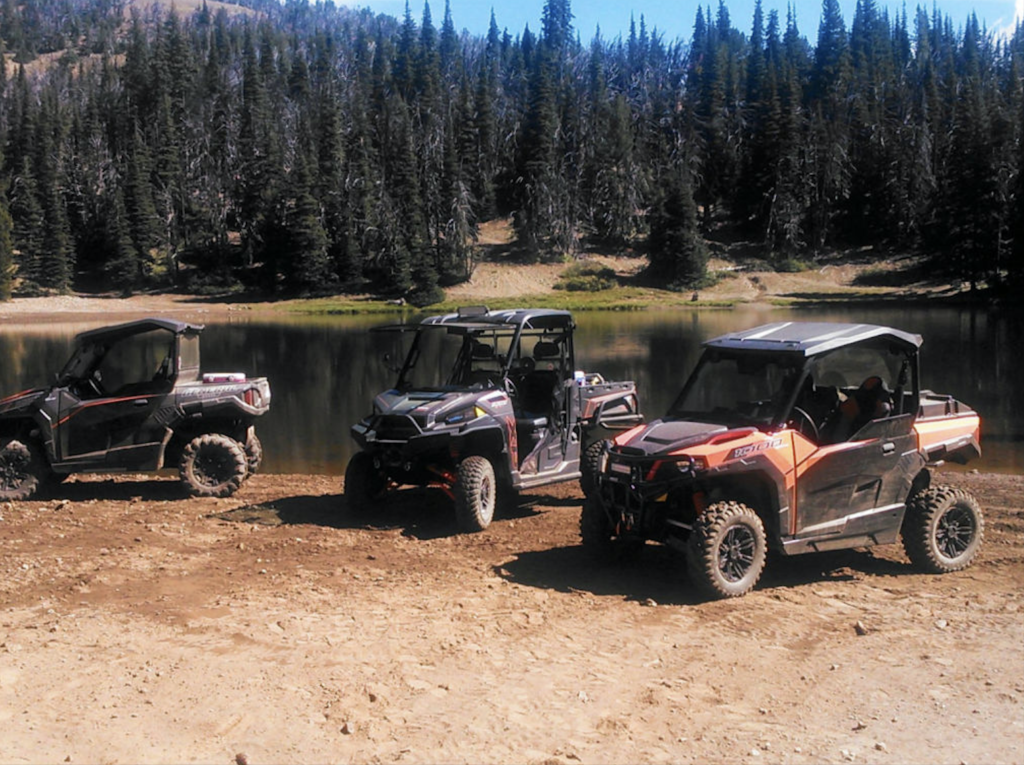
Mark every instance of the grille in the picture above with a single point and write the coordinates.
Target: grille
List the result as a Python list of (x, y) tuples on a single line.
[(396, 426)]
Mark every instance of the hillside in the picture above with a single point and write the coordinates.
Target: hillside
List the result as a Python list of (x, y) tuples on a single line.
[(282, 149)]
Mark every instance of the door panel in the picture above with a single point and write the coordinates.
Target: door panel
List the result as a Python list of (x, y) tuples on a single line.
[(561, 443), (846, 481), (91, 429)]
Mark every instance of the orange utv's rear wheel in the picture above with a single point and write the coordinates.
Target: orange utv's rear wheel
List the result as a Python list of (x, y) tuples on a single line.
[(942, 529)]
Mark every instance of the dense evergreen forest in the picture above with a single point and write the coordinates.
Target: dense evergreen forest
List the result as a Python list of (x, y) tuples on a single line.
[(303, 148)]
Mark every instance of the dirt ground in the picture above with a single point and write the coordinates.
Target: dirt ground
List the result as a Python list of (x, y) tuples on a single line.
[(271, 627)]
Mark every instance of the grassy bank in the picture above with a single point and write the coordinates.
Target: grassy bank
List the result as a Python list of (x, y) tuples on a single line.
[(615, 299)]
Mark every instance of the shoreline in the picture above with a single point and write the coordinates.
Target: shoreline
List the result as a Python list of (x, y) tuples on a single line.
[(84, 307)]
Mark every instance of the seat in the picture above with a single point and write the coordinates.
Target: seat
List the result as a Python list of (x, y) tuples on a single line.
[(538, 387), (871, 401), (481, 351), (479, 375)]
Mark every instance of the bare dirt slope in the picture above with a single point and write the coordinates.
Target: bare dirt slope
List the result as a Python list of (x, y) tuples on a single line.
[(138, 627)]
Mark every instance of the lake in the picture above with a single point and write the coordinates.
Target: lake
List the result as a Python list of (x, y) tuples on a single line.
[(324, 371)]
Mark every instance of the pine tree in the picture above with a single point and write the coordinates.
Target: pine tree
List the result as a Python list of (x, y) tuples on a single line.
[(448, 48), (830, 78), (831, 71), (122, 268), (144, 223), (483, 165), (1016, 215), (406, 55), (760, 106), (534, 213), (785, 231), (20, 121), (254, 168), (29, 225), (677, 252), (308, 269), (58, 256), (6, 249), (968, 223), (401, 222), (544, 216), (457, 229), (414, 267)]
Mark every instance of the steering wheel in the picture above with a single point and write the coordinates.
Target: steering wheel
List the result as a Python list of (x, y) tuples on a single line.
[(510, 388), (93, 383), (804, 419)]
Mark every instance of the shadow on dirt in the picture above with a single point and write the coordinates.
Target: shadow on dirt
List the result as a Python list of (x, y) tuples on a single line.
[(418, 513), (318, 510), (838, 566), (654, 573), (658, 573)]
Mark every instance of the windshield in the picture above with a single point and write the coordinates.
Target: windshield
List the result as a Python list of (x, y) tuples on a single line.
[(739, 388), (435, 359)]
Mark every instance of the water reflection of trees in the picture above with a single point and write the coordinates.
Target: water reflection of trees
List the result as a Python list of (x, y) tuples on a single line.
[(30, 360), (325, 372)]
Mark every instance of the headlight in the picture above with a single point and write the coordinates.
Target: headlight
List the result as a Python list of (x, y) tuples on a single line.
[(687, 464), (464, 415)]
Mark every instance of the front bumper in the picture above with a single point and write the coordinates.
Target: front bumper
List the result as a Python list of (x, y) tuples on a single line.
[(642, 502)]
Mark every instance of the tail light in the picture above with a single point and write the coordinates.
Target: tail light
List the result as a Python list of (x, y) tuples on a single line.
[(250, 397)]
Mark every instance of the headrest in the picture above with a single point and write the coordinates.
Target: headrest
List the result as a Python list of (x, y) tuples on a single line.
[(873, 389), (546, 350), (875, 384), (482, 351)]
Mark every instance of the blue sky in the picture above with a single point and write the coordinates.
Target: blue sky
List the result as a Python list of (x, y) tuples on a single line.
[(673, 17)]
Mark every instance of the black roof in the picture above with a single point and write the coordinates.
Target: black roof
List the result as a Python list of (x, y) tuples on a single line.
[(810, 338), (119, 331), (468, 320)]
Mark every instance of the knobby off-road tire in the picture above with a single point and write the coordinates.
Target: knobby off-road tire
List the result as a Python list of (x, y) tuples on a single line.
[(475, 493), (253, 455), (596, 532), (212, 465), (942, 529), (365, 485), (23, 470), (590, 466), (726, 550)]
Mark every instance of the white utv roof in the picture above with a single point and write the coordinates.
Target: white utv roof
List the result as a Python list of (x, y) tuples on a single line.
[(810, 338)]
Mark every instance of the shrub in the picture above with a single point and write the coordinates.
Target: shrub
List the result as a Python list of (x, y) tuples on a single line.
[(791, 266), (586, 277)]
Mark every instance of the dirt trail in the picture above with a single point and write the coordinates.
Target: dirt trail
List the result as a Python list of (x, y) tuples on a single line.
[(137, 626)]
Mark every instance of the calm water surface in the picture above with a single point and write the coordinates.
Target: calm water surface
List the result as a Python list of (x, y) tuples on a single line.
[(325, 371)]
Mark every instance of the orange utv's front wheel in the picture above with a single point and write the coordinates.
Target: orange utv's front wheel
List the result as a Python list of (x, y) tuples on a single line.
[(726, 551)]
